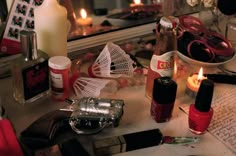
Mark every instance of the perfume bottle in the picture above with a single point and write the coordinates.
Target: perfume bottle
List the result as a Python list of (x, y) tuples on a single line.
[(30, 72)]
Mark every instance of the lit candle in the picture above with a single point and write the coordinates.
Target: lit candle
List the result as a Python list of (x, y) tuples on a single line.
[(175, 70), (136, 3), (193, 82), (84, 20)]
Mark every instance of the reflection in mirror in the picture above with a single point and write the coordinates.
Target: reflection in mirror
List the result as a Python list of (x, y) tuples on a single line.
[(101, 16), (92, 17)]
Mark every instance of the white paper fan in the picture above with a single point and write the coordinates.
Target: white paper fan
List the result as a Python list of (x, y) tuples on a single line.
[(112, 62), (89, 87)]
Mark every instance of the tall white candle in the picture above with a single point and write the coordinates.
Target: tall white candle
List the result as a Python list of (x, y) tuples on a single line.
[(51, 28)]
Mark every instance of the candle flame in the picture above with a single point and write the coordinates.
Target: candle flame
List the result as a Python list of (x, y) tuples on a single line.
[(175, 69), (200, 75), (137, 1), (83, 13)]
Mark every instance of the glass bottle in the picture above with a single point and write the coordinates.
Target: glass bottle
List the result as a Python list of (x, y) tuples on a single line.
[(200, 113), (164, 94), (30, 72), (162, 62), (51, 27)]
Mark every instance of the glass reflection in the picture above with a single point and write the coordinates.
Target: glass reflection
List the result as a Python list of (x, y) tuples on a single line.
[(110, 15), (101, 16)]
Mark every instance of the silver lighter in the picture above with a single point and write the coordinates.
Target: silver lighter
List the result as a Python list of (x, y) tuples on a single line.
[(90, 115)]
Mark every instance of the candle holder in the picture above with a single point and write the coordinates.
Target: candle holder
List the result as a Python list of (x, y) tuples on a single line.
[(86, 30), (193, 84), (85, 23)]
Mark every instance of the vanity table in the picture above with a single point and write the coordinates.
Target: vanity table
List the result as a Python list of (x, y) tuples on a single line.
[(136, 118)]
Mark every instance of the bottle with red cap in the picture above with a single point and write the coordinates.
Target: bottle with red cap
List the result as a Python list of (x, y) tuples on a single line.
[(162, 62)]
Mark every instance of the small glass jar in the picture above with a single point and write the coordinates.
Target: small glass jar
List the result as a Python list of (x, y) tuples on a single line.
[(59, 75)]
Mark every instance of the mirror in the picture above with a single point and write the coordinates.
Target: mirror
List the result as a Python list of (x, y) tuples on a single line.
[(103, 16)]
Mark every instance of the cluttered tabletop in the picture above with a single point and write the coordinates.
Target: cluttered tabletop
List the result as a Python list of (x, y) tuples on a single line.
[(219, 139), (113, 115), (97, 102)]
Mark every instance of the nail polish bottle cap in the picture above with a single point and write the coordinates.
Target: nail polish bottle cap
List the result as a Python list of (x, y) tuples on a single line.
[(164, 90), (204, 96)]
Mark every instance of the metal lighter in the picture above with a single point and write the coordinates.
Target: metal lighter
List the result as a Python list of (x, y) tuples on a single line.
[(90, 115)]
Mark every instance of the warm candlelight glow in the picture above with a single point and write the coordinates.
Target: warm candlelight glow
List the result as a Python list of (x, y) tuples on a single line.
[(194, 81), (200, 75), (175, 70), (84, 20), (136, 3), (83, 13)]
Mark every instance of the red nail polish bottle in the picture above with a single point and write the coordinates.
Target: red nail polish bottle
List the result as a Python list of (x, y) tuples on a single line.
[(163, 98), (200, 113)]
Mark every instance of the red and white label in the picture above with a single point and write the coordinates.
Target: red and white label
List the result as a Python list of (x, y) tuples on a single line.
[(163, 64)]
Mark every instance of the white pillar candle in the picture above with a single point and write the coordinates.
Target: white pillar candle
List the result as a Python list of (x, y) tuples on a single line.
[(51, 28)]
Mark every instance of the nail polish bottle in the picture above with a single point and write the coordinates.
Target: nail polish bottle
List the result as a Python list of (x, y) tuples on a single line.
[(163, 98), (200, 113)]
